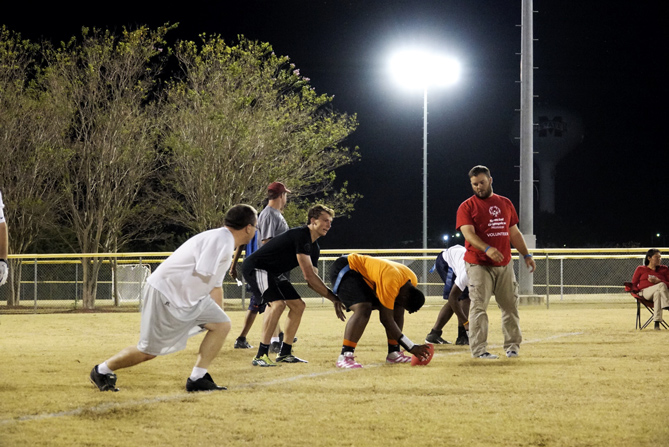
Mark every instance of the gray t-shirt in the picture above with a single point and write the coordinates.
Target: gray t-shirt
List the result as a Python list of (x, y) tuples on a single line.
[(271, 223)]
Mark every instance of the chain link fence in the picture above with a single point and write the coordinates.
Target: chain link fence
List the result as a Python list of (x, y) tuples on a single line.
[(56, 283)]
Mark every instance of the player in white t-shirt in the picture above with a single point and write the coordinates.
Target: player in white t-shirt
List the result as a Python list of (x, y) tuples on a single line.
[(4, 245), (182, 296), (450, 264)]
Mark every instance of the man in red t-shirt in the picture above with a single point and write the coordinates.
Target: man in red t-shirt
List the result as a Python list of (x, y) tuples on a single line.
[(489, 223)]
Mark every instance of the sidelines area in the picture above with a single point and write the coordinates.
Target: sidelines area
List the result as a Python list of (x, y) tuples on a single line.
[(183, 396)]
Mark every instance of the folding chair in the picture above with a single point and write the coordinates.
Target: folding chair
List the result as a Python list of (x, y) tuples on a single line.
[(646, 303)]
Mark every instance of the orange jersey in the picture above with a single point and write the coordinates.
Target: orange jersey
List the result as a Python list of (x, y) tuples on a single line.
[(383, 276)]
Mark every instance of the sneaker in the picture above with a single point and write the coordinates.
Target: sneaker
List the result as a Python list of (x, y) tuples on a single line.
[(281, 338), (657, 326), (398, 357), (487, 356), (205, 383), (462, 340), (104, 382), (263, 361), (436, 340), (511, 354), (290, 358), (463, 336), (347, 361), (275, 347), (241, 343)]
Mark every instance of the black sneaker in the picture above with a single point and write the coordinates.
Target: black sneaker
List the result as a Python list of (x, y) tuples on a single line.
[(205, 383), (436, 340), (104, 382), (657, 326), (241, 343), (275, 347), (281, 339), (462, 340), (290, 358)]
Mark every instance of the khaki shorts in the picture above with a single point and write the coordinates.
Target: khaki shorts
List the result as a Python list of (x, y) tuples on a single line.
[(165, 329)]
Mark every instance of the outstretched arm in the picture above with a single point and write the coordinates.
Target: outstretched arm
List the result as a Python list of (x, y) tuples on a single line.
[(453, 298), (387, 317), (316, 284), (4, 241), (518, 242), (235, 260)]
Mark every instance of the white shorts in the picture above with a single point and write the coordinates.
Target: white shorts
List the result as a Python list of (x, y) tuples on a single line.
[(165, 329)]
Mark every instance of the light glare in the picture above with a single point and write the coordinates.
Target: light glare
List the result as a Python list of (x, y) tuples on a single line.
[(423, 69)]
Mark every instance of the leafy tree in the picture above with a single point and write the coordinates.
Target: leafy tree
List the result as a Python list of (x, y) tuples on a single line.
[(241, 117), (104, 84), (30, 123)]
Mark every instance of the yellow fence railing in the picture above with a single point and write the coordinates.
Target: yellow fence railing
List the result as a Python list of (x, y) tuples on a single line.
[(56, 280)]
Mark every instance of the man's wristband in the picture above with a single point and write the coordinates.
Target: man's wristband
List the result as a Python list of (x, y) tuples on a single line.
[(529, 255), (406, 343), (486, 249)]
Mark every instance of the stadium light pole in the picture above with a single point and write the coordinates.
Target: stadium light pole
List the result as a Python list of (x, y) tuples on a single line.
[(422, 69)]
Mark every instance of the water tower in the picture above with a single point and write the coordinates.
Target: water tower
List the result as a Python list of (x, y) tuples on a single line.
[(557, 131)]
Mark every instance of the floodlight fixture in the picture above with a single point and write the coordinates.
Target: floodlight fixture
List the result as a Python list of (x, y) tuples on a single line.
[(421, 69)]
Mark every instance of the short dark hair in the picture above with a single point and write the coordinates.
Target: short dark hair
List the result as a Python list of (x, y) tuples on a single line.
[(649, 254), (414, 299), (316, 210), (240, 216), (272, 194), (479, 169)]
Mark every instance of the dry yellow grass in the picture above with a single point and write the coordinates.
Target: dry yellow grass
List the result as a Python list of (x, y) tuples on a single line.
[(585, 378)]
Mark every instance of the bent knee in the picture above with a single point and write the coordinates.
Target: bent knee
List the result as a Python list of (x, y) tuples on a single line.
[(146, 357), (224, 326), (362, 309), (277, 306), (296, 305)]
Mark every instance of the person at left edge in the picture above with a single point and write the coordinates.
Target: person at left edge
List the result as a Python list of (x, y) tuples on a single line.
[(4, 245)]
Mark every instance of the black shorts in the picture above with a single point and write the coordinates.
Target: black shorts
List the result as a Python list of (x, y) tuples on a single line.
[(352, 287), (270, 287)]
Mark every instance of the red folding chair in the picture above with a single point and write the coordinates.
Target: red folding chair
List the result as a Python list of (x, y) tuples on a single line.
[(646, 303)]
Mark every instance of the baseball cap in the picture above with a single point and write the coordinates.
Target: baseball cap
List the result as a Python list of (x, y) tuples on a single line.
[(277, 188)]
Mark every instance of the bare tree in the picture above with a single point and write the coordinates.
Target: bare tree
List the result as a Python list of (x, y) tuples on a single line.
[(105, 83), (29, 128), (241, 117)]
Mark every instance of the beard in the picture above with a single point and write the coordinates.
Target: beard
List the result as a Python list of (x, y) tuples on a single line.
[(485, 193)]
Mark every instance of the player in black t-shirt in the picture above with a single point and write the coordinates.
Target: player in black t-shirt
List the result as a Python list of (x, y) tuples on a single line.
[(263, 270)]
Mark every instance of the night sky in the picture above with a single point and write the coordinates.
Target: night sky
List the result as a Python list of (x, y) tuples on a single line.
[(602, 62)]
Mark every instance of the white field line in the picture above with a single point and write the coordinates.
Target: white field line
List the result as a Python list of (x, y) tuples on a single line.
[(186, 396)]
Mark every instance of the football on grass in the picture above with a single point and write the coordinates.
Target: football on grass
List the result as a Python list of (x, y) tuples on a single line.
[(416, 361)]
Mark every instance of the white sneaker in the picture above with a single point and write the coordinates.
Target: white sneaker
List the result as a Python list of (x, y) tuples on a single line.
[(511, 354), (347, 361), (398, 357), (487, 356)]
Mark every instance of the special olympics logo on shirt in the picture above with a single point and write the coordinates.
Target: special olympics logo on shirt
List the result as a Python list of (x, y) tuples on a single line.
[(495, 211)]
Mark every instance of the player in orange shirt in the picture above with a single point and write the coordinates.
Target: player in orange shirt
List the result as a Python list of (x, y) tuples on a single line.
[(364, 283)]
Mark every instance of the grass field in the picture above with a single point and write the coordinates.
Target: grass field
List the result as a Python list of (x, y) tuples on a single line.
[(585, 377)]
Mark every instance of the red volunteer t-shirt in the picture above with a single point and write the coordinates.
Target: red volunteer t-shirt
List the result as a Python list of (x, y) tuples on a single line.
[(491, 218)]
